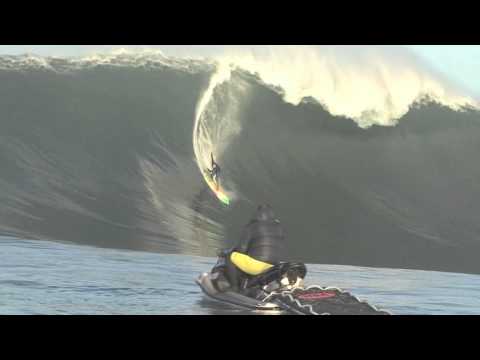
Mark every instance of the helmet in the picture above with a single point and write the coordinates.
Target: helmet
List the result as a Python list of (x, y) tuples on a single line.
[(265, 213)]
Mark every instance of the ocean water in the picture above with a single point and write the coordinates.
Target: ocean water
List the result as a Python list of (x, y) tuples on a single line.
[(367, 160), (42, 277)]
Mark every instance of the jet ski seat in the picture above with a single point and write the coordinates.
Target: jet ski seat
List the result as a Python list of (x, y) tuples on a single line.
[(249, 265)]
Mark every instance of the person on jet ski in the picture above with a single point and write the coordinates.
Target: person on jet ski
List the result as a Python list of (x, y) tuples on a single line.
[(261, 247), (215, 173)]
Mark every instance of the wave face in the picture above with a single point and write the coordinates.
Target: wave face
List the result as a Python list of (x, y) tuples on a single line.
[(106, 151)]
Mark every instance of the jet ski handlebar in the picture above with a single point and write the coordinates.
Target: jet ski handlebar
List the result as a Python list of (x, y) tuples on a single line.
[(292, 271)]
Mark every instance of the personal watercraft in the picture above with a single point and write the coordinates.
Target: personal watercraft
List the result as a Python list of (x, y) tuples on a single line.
[(281, 290)]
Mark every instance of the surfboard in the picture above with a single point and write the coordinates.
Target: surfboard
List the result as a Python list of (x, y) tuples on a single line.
[(219, 193)]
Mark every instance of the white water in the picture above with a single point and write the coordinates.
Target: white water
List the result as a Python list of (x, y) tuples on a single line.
[(203, 142), (371, 85), (213, 129)]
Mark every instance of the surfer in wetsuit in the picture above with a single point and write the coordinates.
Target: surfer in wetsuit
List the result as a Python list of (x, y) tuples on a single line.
[(261, 246), (215, 173)]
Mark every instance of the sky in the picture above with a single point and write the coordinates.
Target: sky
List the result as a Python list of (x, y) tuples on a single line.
[(460, 63)]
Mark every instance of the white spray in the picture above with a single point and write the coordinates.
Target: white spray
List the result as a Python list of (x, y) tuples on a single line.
[(369, 84), (372, 85), (203, 142)]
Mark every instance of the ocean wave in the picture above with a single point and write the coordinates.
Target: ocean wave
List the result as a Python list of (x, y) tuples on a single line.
[(113, 155)]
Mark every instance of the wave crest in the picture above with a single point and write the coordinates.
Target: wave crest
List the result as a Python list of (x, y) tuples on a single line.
[(371, 85)]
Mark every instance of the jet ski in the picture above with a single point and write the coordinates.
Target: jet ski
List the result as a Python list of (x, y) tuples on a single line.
[(281, 290)]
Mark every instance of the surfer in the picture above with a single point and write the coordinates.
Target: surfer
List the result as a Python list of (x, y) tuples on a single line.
[(261, 246), (215, 173)]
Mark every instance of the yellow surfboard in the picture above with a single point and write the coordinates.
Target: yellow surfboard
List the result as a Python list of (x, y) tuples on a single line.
[(218, 192)]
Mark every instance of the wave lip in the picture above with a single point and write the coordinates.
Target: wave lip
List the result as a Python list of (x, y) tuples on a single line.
[(373, 85)]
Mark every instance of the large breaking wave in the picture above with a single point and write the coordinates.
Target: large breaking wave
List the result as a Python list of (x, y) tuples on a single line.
[(367, 162)]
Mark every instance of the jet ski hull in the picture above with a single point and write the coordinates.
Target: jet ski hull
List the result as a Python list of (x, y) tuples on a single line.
[(235, 299), (280, 290)]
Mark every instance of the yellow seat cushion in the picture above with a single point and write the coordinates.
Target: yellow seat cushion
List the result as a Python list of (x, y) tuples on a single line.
[(248, 264)]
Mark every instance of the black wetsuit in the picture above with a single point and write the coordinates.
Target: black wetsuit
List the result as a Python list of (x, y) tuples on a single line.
[(215, 173), (263, 239)]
